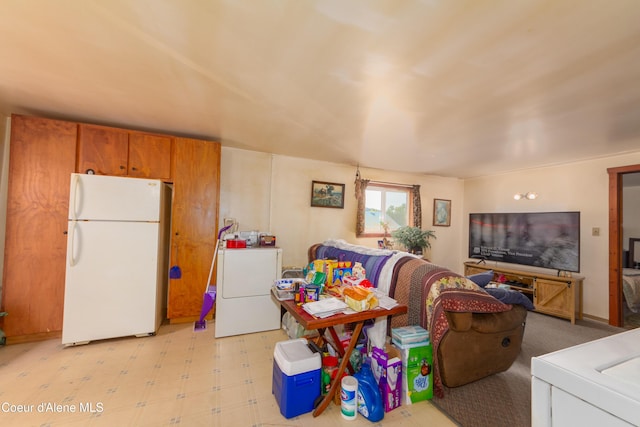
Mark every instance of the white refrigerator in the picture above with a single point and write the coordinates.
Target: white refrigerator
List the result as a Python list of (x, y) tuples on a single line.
[(117, 243)]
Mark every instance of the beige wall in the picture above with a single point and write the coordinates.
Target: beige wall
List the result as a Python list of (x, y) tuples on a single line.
[(580, 186), (272, 193)]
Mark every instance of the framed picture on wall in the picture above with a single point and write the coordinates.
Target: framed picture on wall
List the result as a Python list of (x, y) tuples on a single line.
[(327, 194), (442, 212)]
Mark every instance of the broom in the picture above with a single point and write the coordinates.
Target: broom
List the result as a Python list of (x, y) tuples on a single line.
[(210, 291)]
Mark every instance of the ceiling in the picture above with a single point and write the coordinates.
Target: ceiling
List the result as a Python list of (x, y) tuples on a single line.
[(458, 88)]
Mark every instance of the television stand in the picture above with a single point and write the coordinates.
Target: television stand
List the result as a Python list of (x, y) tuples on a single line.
[(559, 296)]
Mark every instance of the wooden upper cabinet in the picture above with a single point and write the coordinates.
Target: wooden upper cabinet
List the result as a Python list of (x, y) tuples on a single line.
[(103, 150), (119, 152), (149, 156)]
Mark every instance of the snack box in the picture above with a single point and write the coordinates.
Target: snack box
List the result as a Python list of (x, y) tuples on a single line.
[(333, 269), (355, 281), (267, 240), (409, 335), (339, 274)]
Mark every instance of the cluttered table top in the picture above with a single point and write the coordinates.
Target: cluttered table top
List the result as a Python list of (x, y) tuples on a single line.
[(345, 315), (333, 293)]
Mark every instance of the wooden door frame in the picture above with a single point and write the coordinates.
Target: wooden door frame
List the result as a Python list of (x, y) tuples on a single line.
[(615, 242)]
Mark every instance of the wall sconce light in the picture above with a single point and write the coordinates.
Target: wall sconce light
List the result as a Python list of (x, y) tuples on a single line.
[(530, 195)]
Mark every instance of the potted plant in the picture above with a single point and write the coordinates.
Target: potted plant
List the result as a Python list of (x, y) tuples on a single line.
[(413, 239)]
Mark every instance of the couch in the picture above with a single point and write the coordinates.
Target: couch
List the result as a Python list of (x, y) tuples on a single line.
[(473, 334)]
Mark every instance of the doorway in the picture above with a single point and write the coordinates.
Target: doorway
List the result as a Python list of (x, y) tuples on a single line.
[(616, 308)]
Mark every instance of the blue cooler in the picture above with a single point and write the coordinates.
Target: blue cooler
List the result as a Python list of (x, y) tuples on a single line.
[(296, 377)]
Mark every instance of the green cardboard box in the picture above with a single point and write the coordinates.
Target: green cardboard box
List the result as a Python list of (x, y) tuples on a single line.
[(417, 372)]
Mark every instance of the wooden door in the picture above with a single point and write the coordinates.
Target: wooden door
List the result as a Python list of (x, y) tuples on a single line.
[(42, 158), (149, 156), (196, 198), (103, 150)]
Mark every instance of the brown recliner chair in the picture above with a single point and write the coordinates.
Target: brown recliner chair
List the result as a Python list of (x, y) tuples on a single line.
[(480, 344)]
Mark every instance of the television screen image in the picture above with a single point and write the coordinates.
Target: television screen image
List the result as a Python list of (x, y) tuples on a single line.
[(540, 239)]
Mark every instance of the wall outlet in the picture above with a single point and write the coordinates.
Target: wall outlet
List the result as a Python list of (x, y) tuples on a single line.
[(229, 221), (595, 231)]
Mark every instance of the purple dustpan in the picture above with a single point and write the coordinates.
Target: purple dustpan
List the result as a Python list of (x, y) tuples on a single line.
[(207, 306)]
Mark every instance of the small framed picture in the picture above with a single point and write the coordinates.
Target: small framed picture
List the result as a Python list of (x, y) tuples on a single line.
[(442, 212), (327, 194)]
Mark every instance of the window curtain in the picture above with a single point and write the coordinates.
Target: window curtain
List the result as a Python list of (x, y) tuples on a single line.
[(417, 206), (361, 188)]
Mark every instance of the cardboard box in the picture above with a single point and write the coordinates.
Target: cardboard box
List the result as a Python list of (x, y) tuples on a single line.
[(387, 370), (417, 372), (339, 274), (352, 280), (409, 335), (326, 266)]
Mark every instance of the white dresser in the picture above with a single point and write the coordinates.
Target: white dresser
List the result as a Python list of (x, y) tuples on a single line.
[(592, 384)]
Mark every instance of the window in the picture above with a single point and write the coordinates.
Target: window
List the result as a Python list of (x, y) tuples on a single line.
[(386, 204)]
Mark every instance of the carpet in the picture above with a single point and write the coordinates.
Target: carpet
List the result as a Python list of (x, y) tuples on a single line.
[(632, 320), (504, 399)]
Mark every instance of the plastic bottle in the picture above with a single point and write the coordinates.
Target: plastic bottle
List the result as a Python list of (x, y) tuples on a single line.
[(369, 397), (329, 370), (349, 398)]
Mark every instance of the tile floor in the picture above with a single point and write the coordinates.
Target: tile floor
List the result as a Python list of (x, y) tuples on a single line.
[(178, 377)]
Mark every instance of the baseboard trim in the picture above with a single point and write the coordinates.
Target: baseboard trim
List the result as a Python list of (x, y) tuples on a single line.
[(596, 318), (188, 319), (42, 336)]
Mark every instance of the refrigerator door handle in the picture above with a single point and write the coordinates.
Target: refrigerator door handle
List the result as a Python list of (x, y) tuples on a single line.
[(72, 239), (74, 211)]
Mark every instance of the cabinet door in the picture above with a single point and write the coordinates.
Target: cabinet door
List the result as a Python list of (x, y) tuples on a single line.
[(196, 196), (103, 150), (553, 297), (149, 156), (42, 158)]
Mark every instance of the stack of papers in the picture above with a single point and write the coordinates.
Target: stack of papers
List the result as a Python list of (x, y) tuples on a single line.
[(385, 301), (325, 307)]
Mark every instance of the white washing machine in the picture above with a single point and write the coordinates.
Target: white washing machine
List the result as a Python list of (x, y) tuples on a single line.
[(243, 300), (593, 384)]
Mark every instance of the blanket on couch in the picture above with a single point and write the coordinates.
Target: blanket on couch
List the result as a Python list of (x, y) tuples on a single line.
[(379, 264), (412, 278)]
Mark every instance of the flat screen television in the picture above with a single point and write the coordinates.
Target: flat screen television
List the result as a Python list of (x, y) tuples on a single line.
[(540, 239)]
